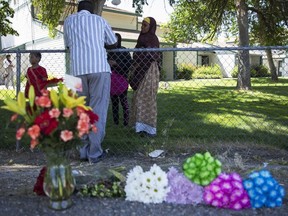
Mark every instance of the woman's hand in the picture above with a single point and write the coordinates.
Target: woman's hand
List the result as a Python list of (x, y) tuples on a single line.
[(112, 63), (134, 66)]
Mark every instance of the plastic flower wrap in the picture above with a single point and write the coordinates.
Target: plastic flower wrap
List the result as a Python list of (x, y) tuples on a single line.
[(38, 186), (202, 168), (146, 187), (264, 190), (182, 190), (227, 191)]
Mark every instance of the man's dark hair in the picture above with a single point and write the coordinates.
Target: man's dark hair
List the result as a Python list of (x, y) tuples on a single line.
[(7, 56), (85, 5), (36, 54)]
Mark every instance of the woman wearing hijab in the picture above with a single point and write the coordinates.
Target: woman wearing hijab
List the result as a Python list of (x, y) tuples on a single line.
[(145, 80)]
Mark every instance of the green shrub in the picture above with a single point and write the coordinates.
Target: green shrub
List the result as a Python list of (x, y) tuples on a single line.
[(185, 71), (208, 72), (23, 78), (234, 72), (259, 71), (162, 75), (256, 71)]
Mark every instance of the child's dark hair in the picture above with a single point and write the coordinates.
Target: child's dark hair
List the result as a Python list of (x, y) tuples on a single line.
[(36, 54)]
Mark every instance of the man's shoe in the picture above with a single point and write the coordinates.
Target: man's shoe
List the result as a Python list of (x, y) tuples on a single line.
[(96, 160)]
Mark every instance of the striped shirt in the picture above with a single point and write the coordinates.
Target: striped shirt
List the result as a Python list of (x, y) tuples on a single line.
[(85, 35)]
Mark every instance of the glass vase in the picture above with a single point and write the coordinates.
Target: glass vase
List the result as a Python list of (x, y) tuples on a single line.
[(59, 183)]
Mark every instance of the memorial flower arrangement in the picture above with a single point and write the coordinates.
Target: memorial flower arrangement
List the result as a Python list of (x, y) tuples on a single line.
[(147, 187), (55, 121), (202, 168), (264, 190), (203, 182), (182, 190), (227, 191)]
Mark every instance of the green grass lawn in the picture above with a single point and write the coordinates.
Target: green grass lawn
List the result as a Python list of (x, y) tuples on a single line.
[(202, 112)]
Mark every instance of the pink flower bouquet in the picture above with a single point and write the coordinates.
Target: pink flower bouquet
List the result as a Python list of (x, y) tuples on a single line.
[(227, 191), (55, 121)]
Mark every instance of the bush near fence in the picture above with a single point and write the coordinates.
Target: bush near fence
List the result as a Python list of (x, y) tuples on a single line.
[(256, 71), (208, 72), (185, 71), (260, 71), (189, 71)]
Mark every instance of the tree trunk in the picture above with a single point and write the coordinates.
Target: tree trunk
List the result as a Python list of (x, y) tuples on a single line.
[(98, 6), (244, 74), (272, 67)]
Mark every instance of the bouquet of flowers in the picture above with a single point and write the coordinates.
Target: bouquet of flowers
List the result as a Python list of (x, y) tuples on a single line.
[(55, 121), (147, 187)]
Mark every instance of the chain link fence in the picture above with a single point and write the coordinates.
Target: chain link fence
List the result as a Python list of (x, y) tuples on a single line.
[(197, 100)]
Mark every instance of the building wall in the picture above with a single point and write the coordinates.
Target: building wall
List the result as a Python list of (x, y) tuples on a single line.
[(226, 61), (255, 60), (284, 68), (168, 59), (281, 64), (122, 21)]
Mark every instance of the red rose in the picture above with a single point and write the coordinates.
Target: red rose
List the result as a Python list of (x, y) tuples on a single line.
[(46, 123), (93, 117)]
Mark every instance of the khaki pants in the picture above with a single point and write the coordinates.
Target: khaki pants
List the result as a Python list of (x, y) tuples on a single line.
[(96, 88), (9, 80)]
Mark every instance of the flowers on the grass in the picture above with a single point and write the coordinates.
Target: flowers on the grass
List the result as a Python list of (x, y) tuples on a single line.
[(202, 168), (54, 121), (264, 190), (227, 191), (147, 187), (182, 190)]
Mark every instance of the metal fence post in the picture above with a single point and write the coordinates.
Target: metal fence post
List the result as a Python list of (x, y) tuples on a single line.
[(18, 85), (18, 71)]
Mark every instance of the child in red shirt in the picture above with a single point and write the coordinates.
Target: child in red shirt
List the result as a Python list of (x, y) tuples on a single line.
[(36, 75)]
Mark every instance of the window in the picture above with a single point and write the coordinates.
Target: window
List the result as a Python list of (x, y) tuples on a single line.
[(280, 68), (204, 60)]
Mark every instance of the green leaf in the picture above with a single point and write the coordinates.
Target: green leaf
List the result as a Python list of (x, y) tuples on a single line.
[(118, 175)]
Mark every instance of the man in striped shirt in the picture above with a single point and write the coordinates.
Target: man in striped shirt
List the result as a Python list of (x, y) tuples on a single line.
[(86, 35)]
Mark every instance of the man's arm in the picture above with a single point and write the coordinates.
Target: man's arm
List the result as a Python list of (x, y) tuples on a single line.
[(110, 38), (112, 46)]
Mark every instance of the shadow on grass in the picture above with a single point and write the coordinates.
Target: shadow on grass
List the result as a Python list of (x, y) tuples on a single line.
[(210, 114)]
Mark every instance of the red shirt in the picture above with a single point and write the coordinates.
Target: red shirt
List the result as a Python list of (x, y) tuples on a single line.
[(36, 77)]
